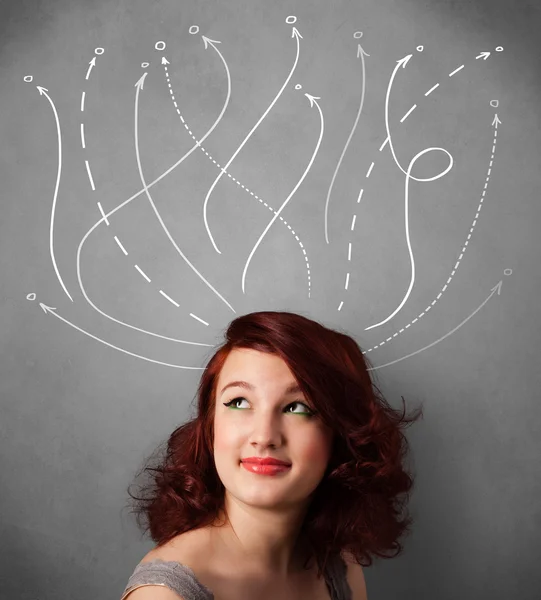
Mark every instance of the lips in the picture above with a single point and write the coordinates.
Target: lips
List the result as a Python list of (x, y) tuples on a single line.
[(266, 461)]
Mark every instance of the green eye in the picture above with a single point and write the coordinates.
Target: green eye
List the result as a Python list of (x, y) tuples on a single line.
[(308, 413)]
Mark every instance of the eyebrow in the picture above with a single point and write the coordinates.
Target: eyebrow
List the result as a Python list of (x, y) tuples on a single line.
[(293, 388)]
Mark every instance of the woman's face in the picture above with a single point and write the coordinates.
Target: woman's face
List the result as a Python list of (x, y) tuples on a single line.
[(265, 421)]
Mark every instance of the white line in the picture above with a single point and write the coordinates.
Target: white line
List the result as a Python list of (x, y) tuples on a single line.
[(348, 140), (215, 182), (170, 299), (201, 320), (349, 251), (360, 195), (408, 113), (83, 135), (383, 145), (83, 101), (103, 214), (353, 222), (121, 246), (432, 89), (116, 347), (143, 274), (90, 175), (55, 196), (456, 71), (370, 170)]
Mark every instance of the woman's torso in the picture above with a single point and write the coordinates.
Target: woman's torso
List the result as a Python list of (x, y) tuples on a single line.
[(230, 581)]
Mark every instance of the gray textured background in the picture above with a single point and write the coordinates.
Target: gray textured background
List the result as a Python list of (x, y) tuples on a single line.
[(78, 417)]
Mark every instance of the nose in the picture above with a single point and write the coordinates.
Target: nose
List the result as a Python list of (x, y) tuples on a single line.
[(267, 430)]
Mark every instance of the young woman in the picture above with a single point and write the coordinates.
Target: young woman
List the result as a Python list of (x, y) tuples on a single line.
[(288, 479)]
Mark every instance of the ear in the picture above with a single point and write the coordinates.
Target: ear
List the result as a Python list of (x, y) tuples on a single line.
[(355, 578)]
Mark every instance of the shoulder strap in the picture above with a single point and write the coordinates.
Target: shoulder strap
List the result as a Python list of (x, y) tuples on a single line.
[(336, 578), (177, 577)]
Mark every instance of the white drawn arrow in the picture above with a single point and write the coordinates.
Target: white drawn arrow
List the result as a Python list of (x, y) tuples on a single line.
[(483, 55), (313, 100), (92, 63), (49, 310), (464, 248), (360, 54), (402, 63), (43, 92), (104, 219), (139, 86), (406, 212), (297, 35), (497, 288)]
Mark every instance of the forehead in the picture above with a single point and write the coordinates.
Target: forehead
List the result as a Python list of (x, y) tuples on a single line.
[(254, 365)]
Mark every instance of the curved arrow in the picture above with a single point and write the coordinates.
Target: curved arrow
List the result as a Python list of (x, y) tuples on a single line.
[(313, 100), (496, 288), (43, 92), (360, 53), (297, 35), (406, 211), (402, 63), (104, 219), (139, 86), (51, 310)]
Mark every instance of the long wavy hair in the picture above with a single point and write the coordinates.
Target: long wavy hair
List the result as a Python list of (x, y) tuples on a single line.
[(359, 507)]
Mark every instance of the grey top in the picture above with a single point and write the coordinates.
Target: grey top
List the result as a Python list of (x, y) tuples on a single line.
[(182, 580)]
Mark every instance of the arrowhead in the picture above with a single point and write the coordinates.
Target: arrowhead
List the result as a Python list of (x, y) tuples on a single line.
[(41, 89), (141, 81), (360, 51), (295, 31), (93, 62), (483, 55), (496, 121), (497, 287), (312, 99), (209, 41), (404, 61), (165, 61), (46, 308)]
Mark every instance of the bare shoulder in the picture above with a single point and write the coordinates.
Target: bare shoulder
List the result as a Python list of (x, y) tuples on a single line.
[(355, 577)]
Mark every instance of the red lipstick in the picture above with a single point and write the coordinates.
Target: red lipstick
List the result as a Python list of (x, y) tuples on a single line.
[(258, 460), (265, 466)]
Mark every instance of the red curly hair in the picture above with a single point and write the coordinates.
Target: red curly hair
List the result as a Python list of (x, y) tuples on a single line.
[(357, 506)]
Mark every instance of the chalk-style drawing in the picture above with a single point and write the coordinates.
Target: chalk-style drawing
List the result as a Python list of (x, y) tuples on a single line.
[(497, 288), (360, 54), (493, 103), (313, 100), (456, 70), (50, 310), (43, 92), (402, 63), (139, 87), (496, 121), (165, 62), (105, 217), (295, 33)]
